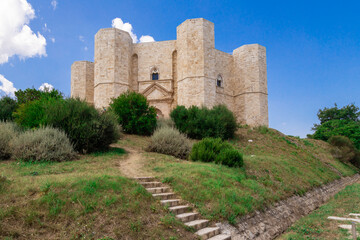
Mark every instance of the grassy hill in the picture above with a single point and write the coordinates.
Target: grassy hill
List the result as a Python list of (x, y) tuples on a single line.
[(276, 167), (89, 199)]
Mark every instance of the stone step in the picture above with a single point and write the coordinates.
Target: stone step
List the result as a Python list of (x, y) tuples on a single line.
[(158, 190), (144, 179), (208, 232), (221, 237), (179, 209), (187, 217), (198, 224), (170, 202), (151, 184), (164, 196)]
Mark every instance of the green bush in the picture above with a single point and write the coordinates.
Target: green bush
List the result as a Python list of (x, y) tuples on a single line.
[(32, 94), (230, 157), (344, 150), (7, 107), (134, 113), (198, 123), (165, 122), (8, 131), (170, 141), (88, 129), (43, 144), (216, 150)]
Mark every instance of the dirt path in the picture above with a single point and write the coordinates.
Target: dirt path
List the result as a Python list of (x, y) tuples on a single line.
[(133, 165)]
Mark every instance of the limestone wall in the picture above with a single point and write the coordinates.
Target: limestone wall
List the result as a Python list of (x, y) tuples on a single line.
[(250, 85), (82, 80), (272, 222), (113, 51)]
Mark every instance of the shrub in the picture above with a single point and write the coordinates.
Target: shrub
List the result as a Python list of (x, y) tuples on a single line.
[(165, 122), (43, 144), (88, 129), (7, 107), (32, 94), (216, 150), (170, 141), (8, 131), (344, 150), (198, 123), (134, 113), (230, 157)]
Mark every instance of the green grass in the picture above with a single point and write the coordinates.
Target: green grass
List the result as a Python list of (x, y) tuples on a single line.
[(276, 167), (317, 226), (83, 199)]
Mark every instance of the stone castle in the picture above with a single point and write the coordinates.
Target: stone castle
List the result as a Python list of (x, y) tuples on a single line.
[(186, 71)]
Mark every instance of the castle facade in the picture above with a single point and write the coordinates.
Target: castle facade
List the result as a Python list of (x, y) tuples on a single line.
[(186, 71)]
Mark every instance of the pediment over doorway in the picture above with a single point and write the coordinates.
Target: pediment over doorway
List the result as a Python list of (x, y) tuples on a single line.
[(156, 92)]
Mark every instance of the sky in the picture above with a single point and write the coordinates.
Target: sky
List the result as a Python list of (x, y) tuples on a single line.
[(313, 47)]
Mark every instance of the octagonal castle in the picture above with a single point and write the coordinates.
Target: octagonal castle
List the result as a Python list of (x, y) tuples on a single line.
[(186, 71)]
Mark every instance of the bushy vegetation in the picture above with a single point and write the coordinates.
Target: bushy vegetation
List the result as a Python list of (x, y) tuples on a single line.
[(344, 150), (218, 151), (336, 121), (32, 94), (165, 122), (134, 113), (170, 141), (88, 129), (198, 123), (42, 144), (7, 107), (8, 131)]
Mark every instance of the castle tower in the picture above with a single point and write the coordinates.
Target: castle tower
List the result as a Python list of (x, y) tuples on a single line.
[(82, 80), (195, 57), (113, 50), (250, 86)]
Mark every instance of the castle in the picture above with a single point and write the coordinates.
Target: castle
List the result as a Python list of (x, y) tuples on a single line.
[(186, 71)]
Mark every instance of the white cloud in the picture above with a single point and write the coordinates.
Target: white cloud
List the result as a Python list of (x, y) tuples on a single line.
[(147, 38), (7, 87), (118, 23), (46, 29), (81, 38), (16, 37), (52, 40), (86, 48), (54, 4), (46, 87)]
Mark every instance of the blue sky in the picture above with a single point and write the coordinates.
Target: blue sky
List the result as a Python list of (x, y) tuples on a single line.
[(313, 47)]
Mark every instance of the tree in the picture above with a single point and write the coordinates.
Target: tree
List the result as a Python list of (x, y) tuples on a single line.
[(7, 107), (134, 113), (336, 121), (31, 94)]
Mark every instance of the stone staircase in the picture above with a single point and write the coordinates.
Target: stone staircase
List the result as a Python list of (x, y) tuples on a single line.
[(182, 211)]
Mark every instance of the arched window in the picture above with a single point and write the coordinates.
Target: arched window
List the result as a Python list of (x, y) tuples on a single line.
[(219, 81), (154, 74)]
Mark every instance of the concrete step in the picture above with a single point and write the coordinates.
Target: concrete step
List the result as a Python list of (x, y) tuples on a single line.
[(179, 209), (198, 224), (164, 196), (144, 179), (221, 237), (158, 190), (170, 202), (187, 217), (151, 184), (208, 232)]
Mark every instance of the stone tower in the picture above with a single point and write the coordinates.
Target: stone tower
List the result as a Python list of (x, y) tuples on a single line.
[(186, 71), (113, 48)]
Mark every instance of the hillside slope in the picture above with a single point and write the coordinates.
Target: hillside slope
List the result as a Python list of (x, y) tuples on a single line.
[(276, 167)]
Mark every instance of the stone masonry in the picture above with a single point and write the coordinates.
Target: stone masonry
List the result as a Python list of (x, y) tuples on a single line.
[(186, 71)]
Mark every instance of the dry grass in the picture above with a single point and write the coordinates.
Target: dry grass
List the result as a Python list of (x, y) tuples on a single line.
[(83, 199)]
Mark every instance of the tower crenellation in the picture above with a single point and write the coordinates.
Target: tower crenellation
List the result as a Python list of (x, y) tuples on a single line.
[(186, 71)]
